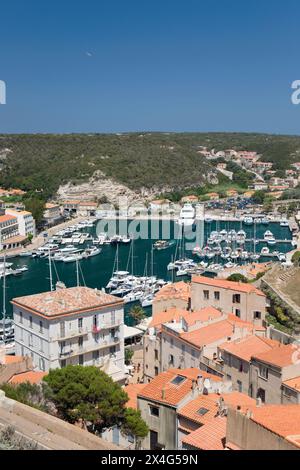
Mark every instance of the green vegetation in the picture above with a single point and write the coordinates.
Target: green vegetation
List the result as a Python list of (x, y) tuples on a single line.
[(236, 277), (128, 355), (35, 205), (281, 316), (259, 197), (88, 395), (133, 424), (151, 160), (27, 393), (137, 314), (296, 258), (9, 440)]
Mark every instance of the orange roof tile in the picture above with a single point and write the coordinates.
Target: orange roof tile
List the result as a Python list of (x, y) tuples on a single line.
[(33, 377), (245, 348), (282, 356), (161, 390), (177, 290), (211, 436), (168, 316), (13, 359), (132, 391), (223, 284), (7, 218), (65, 301), (174, 314), (283, 420), (293, 383)]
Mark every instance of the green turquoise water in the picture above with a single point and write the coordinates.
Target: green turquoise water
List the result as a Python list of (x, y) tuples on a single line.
[(98, 270)]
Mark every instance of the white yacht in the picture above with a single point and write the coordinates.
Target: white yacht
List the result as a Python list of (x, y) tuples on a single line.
[(284, 223), (187, 216)]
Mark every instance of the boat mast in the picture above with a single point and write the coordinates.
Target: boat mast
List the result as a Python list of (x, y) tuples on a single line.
[(132, 263), (50, 272), (77, 274), (4, 299), (152, 259)]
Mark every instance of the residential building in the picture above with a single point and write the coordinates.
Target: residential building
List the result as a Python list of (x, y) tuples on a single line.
[(160, 205), (172, 295), (52, 214), (73, 326), (243, 300), (160, 400), (291, 391), (202, 422), (259, 186), (269, 427), (9, 232), (87, 209), (235, 357), (271, 370), (26, 223)]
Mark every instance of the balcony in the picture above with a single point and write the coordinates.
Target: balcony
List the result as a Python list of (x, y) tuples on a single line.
[(70, 334), (96, 329), (78, 350)]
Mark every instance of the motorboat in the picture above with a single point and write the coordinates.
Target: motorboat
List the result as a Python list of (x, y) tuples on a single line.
[(248, 221), (187, 216), (271, 241), (90, 252), (24, 254), (72, 257), (161, 244), (284, 223), (268, 234), (208, 219), (265, 251)]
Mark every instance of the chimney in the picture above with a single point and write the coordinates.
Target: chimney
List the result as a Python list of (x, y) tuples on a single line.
[(259, 402), (163, 393)]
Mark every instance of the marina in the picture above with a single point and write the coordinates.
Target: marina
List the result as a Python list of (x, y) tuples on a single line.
[(146, 263)]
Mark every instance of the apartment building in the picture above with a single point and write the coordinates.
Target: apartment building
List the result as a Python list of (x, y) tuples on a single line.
[(271, 370), (172, 295), (202, 422), (235, 357), (75, 325), (9, 232), (242, 300), (159, 401), (52, 214), (26, 223), (269, 427)]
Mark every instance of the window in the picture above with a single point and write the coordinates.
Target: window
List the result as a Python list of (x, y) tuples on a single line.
[(217, 295), (154, 411), (239, 386), (228, 377), (81, 360), (80, 341), (80, 323), (194, 353), (178, 380), (238, 313), (172, 343), (113, 317), (30, 340), (241, 368), (112, 350), (206, 294), (63, 363), (261, 393), (183, 348), (95, 321), (263, 372), (257, 315), (96, 355), (42, 364), (156, 354), (171, 360), (62, 329), (21, 336), (21, 317), (202, 411), (236, 298), (41, 327), (30, 322), (156, 371)]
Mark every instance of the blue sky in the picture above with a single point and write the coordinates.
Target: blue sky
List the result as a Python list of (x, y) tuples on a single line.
[(168, 65)]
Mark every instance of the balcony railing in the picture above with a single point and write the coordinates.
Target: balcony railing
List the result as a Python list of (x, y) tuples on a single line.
[(70, 334), (77, 351)]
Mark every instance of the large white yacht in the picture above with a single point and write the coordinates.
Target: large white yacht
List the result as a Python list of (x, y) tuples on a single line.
[(187, 215)]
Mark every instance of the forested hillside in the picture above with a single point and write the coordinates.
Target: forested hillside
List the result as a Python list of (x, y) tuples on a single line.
[(44, 162)]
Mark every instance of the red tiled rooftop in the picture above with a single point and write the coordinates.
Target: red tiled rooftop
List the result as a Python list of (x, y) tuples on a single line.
[(174, 314), (245, 348), (132, 391), (282, 356), (223, 284), (6, 218), (65, 301), (211, 436), (34, 377), (13, 359), (161, 389), (180, 290), (293, 383)]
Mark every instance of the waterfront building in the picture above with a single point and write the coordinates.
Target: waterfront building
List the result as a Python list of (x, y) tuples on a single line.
[(243, 300), (172, 295), (75, 325), (9, 232), (26, 223), (52, 214)]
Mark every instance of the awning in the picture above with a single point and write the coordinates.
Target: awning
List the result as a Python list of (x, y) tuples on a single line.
[(131, 332)]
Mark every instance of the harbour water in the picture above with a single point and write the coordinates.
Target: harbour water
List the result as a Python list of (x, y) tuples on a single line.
[(98, 270)]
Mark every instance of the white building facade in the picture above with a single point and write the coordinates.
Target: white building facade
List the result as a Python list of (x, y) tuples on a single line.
[(26, 222), (71, 326)]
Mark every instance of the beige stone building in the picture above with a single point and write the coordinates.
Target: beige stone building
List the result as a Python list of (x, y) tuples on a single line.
[(172, 295), (242, 300)]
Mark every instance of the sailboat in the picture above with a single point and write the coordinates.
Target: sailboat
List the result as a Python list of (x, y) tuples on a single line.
[(255, 256), (7, 330)]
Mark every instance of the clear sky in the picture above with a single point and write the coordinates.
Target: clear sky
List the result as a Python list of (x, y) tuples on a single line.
[(170, 65)]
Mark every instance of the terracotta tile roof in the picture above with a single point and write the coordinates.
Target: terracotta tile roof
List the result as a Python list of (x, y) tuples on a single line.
[(161, 390), (210, 402), (245, 348), (223, 284), (283, 356), (7, 218), (132, 391), (283, 420), (13, 359), (293, 383), (33, 377), (174, 314), (211, 436), (210, 334), (178, 290), (65, 301)]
